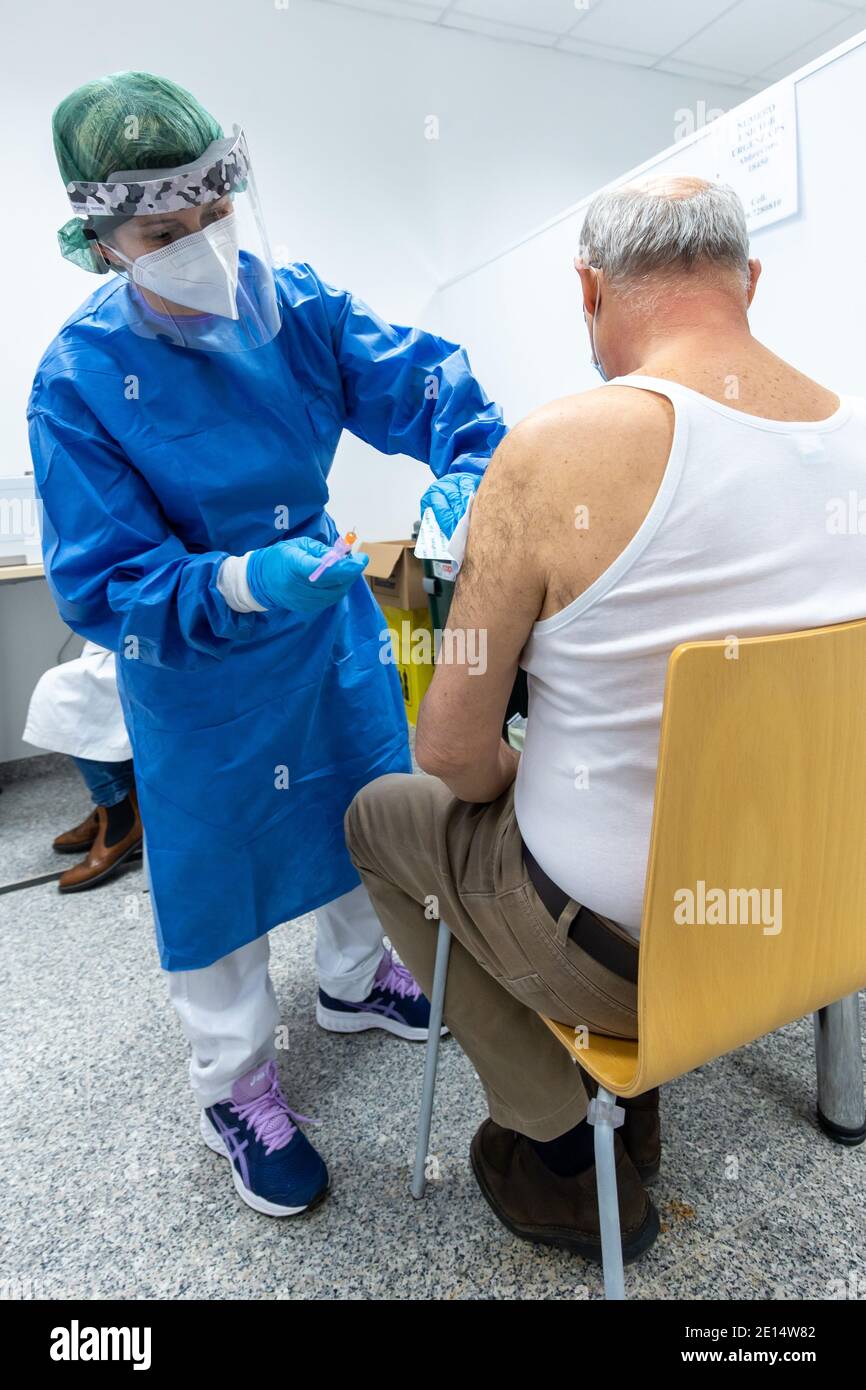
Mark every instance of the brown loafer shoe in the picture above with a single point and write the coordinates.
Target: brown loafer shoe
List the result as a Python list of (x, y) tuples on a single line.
[(103, 859), (540, 1206), (80, 838), (640, 1130)]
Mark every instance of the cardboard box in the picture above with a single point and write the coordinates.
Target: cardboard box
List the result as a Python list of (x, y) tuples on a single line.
[(394, 575), (397, 581)]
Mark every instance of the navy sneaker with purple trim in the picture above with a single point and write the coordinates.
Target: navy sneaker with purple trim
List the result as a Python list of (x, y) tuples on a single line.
[(395, 1003), (276, 1170)]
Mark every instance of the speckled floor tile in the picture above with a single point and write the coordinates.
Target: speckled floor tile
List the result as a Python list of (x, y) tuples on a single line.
[(109, 1191), (794, 1248), (32, 811)]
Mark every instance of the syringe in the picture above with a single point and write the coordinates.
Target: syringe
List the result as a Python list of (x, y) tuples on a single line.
[(340, 548)]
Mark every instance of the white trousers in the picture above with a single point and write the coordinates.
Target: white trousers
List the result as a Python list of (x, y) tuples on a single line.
[(228, 1010)]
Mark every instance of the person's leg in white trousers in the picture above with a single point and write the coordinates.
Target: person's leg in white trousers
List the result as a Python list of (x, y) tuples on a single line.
[(228, 1010), (349, 945)]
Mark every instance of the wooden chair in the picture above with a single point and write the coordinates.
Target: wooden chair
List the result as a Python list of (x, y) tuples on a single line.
[(761, 794)]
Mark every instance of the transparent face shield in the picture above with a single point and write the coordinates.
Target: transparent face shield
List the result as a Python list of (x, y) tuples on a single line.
[(192, 245)]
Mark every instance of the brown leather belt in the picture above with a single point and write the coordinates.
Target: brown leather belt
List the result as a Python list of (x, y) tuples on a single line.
[(588, 931)]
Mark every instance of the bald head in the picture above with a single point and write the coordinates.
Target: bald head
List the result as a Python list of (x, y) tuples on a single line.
[(664, 229), (671, 186)]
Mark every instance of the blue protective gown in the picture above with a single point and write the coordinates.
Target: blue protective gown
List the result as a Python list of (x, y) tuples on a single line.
[(153, 463)]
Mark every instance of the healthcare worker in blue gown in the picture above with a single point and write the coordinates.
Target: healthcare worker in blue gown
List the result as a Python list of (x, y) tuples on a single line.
[(183, 424)]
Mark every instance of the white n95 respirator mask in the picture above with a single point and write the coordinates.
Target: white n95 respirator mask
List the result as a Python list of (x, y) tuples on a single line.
[(199, 271), (200, 291), (213, 289)]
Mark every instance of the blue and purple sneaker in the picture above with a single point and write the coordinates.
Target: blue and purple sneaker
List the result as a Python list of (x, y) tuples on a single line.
[(395, 1003), (276, 1170)]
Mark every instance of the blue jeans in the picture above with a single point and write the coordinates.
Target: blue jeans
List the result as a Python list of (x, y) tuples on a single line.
[(108, 783)]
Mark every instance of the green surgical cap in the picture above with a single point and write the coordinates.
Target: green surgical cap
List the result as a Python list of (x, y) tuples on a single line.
[(128, 120)]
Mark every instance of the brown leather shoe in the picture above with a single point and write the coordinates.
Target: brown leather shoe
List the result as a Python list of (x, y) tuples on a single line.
[(537, 1205), (104, 859), (80, 838), (640, 1130)]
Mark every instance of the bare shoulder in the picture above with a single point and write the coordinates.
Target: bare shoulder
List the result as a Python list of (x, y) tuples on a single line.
[(605, 418), (575, 479), (597, 442)]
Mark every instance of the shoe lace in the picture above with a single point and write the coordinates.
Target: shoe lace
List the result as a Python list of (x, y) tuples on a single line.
[(398, 980), (273, 1120)]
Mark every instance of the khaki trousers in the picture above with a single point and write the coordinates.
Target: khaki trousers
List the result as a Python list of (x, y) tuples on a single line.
[(422, 855)]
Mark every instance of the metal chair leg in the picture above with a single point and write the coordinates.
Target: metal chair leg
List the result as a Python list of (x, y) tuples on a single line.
[(431, 1059), (606, 1116), (839, 1060)]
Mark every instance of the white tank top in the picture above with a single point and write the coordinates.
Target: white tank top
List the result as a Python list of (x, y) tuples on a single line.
[(759, 526)]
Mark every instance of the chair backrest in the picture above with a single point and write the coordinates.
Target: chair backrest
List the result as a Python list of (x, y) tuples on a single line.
[(755, 900)]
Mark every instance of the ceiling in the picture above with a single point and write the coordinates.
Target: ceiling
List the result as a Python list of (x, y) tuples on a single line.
[(745, 43)]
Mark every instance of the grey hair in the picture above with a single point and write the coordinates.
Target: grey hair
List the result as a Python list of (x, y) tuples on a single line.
[(636, 232)]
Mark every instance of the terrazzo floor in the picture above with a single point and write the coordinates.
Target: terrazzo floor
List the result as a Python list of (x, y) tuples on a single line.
[(110, 1193)]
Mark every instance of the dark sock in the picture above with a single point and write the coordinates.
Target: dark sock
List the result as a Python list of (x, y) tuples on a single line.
[(121, 819), (570, 1154)]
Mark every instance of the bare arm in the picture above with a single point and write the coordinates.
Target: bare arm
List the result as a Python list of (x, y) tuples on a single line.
[(498, 597), (603, 454)]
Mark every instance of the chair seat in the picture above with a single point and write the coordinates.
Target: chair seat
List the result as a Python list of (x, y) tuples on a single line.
[(612, 1062)]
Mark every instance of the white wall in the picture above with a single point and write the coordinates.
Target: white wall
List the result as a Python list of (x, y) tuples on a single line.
[(32, 637), (335, 105), (536, 349)]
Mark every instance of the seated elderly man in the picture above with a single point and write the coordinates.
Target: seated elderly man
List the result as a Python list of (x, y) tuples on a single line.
[(687, 498)]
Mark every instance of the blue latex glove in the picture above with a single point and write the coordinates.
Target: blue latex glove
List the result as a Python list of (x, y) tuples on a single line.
[(279, 575), (449, 497)]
